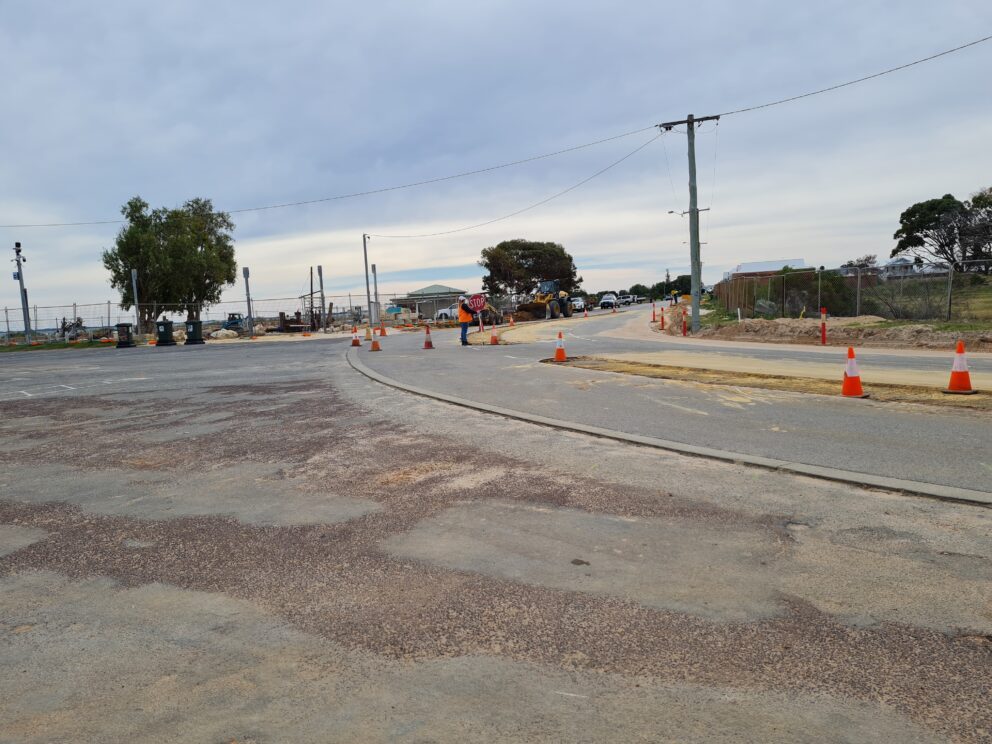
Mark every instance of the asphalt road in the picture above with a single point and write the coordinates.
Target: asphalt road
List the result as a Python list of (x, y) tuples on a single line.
[(910, 442), (252, 542)]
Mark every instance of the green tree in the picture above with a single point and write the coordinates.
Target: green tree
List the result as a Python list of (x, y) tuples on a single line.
[(184, 257), (516, 267), (930, 230), (682, 283), (976, 232), (639, 290), (868, 261)]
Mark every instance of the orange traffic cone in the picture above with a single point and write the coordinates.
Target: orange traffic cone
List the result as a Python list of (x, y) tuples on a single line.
[(368, 333), (493, 338), (560, 349), (511, 321), (428, 344), (355, 341), (382, 328), (654, 317), (585, 312), (852, 378), (375, 345), (614, 307), (960, 383)]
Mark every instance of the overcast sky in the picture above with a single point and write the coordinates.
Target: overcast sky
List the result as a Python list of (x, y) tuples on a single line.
[(253, 104)]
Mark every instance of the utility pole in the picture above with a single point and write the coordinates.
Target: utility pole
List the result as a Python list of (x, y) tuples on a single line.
[(375, 285), (368, 290), (696, 264), (134, 291), (323, 302), (20, 260), (251, 321), (312, 324)]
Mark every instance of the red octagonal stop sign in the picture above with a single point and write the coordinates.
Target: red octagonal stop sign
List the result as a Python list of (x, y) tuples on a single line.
[(477, 302)]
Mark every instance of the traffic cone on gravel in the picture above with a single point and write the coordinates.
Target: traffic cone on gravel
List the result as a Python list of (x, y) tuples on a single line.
[(428, 344), (852, 378), (493, 338), (355, 341), (960, 383), (560, 349)]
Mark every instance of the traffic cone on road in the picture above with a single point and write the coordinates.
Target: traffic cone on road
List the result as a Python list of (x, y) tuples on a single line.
[(428, 344), (560, 349), (960, 383), (382, 328), (585, 313), (355, 341), (368, 333), (852, 378), (375, 345)]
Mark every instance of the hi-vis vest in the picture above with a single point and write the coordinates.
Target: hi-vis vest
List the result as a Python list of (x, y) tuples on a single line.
[(463, 317)]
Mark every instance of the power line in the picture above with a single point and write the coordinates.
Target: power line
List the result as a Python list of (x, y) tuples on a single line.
[(382, 190), (532, 206), (536, 157), (859, 80)]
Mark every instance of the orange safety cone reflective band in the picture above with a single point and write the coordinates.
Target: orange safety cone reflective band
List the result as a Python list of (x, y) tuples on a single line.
[(560, 349), (355, 341), (960, 383), (428, 344), (852, 378)]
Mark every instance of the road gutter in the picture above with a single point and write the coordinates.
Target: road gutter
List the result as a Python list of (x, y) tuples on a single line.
[(865, 480)]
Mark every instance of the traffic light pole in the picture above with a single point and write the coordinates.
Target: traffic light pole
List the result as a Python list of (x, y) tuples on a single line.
[(694, 258), (24, 293)]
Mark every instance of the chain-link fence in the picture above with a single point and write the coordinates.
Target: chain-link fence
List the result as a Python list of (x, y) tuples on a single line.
[(93, 321), (896, 291)]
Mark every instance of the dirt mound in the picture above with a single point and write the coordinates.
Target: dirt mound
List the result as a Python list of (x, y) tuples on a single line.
[(864, 330)]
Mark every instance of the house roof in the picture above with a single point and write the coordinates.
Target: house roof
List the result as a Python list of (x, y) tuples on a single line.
[(436, 289)]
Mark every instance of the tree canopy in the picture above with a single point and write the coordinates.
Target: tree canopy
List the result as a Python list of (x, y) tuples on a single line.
[(184, 257), (516, 267), (949, 231)]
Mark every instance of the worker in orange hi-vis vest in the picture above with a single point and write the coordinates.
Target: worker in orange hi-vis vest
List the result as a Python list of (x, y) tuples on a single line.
[(464, 317)]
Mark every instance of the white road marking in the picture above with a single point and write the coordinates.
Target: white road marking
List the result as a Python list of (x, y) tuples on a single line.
[(569, 694), (25, 392)]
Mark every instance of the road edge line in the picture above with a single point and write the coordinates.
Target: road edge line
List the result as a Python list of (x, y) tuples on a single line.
[(863, 480)]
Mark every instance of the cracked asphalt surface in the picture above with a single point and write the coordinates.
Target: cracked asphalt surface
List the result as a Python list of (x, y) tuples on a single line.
[(254, 543)]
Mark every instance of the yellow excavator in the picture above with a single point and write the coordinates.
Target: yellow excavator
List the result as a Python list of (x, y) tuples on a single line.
[(550, 301)]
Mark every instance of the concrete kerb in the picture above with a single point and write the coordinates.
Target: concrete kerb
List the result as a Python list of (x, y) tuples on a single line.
[(863, 480)]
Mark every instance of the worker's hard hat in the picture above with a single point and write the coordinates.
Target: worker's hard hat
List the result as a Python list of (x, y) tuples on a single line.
[(563, 293), (461, 297)]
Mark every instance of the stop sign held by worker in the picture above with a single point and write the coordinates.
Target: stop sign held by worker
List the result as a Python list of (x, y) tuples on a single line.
[(477, 302)]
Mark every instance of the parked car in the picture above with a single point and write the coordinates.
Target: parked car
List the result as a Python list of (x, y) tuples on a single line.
[(447, 313), (640, 299), (578, 303), (626, 299), (608, 300)]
